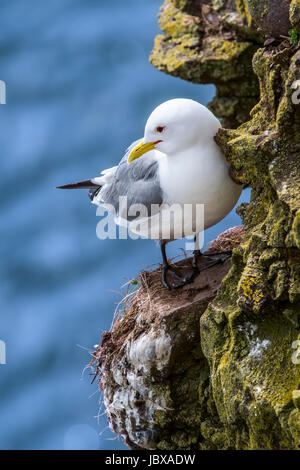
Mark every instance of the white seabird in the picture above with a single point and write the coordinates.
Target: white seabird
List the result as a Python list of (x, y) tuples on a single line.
[(176, 162)]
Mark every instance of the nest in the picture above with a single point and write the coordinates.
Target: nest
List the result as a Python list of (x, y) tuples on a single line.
[(153, 332)]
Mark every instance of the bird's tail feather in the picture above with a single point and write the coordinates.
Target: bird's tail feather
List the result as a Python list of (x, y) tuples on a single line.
[(87, 184)]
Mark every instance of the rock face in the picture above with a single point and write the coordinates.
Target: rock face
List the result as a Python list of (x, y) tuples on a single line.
[(272, 16), (230, 381)]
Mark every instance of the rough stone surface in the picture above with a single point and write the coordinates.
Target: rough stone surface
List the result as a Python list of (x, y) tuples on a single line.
[(214, 43)]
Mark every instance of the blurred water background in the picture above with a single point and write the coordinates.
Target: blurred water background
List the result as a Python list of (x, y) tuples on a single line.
[(79, 90)]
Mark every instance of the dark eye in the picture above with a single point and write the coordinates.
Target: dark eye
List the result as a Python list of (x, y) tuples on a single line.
[(160, 129)]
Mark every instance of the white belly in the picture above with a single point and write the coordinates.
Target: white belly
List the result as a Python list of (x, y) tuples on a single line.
[(201, 176), (198, 179)]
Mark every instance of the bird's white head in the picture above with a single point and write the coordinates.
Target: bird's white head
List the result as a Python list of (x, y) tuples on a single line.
[(177, 125)]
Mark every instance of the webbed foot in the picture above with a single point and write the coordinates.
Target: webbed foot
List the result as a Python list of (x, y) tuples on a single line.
[(209, 260), (175, 277)]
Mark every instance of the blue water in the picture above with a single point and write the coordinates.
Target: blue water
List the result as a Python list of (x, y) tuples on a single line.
[(79, 89)]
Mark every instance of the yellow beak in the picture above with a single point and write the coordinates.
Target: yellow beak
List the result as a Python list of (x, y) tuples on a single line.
[(139, 150)]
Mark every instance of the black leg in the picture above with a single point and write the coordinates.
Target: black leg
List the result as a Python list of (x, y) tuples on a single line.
[(196, 254), (174, 277)]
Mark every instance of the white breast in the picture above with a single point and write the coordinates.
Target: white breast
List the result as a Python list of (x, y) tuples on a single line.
[(200, 176)]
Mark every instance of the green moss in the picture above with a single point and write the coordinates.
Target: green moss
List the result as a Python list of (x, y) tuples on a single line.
[(268, 256), (243, 9), (294, 284), (296, 229), (252, 292), (294, 425)]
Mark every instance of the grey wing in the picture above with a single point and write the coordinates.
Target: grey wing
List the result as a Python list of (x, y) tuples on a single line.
[(138, 182)]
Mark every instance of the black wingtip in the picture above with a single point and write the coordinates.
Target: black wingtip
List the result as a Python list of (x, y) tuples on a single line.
[(87, 184)]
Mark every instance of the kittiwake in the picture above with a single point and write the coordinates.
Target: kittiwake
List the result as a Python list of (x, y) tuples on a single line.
[(176, 164)]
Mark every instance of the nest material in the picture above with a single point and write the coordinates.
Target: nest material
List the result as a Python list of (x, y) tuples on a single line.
[(156, 341)]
